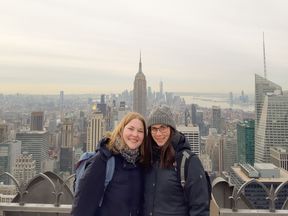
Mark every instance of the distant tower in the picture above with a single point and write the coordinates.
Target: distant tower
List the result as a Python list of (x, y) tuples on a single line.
[(61, 105), (264, 57), (66, 152), (194, 114), (216, 118), (140, 92), (161, 88), (3, 132), (67, 133), (96, 129), (37, 119)]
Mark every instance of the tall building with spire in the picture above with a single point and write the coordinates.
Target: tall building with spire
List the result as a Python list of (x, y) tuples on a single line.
[(140, 92)]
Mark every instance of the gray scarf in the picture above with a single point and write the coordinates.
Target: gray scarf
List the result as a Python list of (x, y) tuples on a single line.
[(130, 155)]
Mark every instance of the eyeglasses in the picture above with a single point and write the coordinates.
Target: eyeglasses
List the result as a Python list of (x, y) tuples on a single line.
[(161, 129)]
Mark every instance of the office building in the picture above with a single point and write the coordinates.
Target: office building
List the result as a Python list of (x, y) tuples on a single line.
[(193, 136), (3, 132), (24, 168), (66, 152), (140, 92), (96, 129), (272, 128), (216, 118), (35, 143), (246, 141), (9, 151), (37, 120), (279, 157)]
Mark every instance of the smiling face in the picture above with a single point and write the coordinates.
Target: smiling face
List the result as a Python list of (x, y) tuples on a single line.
[(160, 133), (133, 134)]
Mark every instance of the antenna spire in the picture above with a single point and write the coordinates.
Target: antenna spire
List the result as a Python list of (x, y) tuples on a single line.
[(140, 64), (264, 56)]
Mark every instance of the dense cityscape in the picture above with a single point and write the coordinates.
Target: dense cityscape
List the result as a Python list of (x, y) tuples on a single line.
[(48, 133)]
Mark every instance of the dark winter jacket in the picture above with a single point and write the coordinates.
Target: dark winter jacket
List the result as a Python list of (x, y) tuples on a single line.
[(123, 195), (163, 192)]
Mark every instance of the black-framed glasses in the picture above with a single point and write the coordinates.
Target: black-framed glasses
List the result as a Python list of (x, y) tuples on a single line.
[(161, 129)]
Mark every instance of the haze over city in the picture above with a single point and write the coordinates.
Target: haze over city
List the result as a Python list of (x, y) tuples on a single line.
[(94, 46)]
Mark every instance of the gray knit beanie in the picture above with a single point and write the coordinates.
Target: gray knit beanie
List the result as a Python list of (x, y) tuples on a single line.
[(161, 115)]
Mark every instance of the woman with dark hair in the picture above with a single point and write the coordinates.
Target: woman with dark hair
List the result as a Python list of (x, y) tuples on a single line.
[(123, 195), (163, 192)]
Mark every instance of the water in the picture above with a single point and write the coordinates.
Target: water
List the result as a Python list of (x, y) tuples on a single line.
[(223, 103)]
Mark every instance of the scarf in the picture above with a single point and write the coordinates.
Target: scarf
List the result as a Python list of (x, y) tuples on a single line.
[(130, 155)]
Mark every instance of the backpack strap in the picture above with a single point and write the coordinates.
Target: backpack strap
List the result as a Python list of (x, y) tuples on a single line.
[(110, 167), (185, 156)]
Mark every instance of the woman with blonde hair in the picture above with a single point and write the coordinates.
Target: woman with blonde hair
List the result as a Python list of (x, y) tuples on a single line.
[(123, 194)]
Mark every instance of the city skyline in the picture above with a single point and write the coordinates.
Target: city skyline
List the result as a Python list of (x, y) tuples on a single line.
[(90, 47)]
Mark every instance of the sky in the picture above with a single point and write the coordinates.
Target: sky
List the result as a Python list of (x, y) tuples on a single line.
[(92, 46)]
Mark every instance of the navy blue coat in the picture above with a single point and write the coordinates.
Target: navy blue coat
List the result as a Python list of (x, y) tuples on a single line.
[(123, 195), (163, 192)]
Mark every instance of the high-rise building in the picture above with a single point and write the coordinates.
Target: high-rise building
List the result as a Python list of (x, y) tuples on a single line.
[(216, 118), (35, 143), (61, 105), (66, 152), (229, 148), (194, 114), (37, 120), (140, 92), (279, 157), (3, 132), (272, 128), (25, 168), (95, 130), (262, 87), (193, 136), (9, 151), (246, 141), (67, 133)]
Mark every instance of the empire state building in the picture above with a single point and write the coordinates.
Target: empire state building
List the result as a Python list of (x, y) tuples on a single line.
[(140, 92)]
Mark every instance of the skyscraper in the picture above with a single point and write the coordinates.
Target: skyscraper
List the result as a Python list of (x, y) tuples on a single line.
[(246, 141), (61, 105), (216, 118), (35, 143), (37, 119), (262, 87), (272, 128), (95, 130), (66, 153), (3, 132), (193, 136), (193, 114), (25, 168), (67, 133), (140, 92)]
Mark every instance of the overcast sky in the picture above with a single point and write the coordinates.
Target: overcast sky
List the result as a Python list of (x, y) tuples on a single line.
[(82, 46)]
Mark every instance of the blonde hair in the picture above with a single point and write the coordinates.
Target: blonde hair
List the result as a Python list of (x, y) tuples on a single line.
[(117, 132)]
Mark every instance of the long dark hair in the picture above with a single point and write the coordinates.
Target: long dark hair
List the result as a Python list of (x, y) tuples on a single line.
[(167, 152)]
